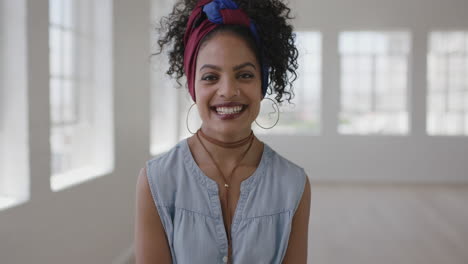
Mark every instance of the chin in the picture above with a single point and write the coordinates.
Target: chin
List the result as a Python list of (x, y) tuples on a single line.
[(232, 129)]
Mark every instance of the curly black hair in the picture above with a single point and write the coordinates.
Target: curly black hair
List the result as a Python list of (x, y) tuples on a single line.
[(276, 35)]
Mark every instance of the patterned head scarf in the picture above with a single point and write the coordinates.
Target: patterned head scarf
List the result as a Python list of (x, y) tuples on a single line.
[(205, 17)]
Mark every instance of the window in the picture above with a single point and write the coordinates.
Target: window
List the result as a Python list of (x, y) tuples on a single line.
[(374, 82), (80, 91), (302, 116), (164, 95), (447, 72), (14, 174)]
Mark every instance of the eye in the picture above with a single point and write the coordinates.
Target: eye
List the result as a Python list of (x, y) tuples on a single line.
[(209, 77), (246, 75)]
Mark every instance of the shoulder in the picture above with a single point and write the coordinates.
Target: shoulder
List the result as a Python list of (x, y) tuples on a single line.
[(285, 169), (295, 178), (163, 172), (142, 186), (169, 157), (170, 161), (288, 180), (149, 230), (284, 162)]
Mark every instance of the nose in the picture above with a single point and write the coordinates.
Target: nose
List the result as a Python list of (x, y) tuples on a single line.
[(228, 88)]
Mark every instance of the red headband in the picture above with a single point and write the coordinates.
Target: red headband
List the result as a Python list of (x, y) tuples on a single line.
[(197, 28)]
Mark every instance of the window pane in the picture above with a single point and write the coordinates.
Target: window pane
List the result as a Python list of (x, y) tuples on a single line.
[(437, 101), (55, 51), (447, 83), (68, 52), (63, 100), (56, 12), (68, 12), (61, 148), (81, 137), (374, 82), (391, 83), (56, 100), (70, 99)]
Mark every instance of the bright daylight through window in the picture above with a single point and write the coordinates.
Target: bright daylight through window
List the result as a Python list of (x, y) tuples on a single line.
[(447, 68), (80, 91), (374, 82)]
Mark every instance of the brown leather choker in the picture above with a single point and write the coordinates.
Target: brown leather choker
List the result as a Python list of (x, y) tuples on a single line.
[(222, 144)]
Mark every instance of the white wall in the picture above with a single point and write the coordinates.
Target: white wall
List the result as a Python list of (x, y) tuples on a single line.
[(93, 222)]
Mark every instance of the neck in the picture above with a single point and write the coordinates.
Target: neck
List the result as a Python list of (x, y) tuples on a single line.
[(220, 138), (217, 146), (229, 145)]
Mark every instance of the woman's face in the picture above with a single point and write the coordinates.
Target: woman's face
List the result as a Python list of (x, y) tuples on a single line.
[(227, 86)]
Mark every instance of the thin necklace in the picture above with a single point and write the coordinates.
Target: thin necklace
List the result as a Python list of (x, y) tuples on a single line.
[(222, 144), (227, 181)]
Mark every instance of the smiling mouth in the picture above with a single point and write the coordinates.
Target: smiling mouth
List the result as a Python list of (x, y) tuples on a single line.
[(225, 110)]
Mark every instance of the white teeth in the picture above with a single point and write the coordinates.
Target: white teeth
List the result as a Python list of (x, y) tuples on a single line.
[(228, 110)]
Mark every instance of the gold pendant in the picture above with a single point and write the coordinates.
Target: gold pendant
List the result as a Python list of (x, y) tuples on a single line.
[(226, 185)]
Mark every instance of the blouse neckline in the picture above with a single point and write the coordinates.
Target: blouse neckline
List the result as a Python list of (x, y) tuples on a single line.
[(211, 184)]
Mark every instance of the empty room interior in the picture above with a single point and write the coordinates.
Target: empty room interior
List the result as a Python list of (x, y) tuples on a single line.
[(378, 122)]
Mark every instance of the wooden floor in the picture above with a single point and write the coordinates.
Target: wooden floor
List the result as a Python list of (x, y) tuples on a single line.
[(394, 224)]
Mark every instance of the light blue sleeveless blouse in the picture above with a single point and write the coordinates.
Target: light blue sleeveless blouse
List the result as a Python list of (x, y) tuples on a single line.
[(190, 210)]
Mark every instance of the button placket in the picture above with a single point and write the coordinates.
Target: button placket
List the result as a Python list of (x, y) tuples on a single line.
[(215, 203), (218, 218)]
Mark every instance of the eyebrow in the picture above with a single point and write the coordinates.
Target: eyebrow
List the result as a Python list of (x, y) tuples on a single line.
[(235, 68), (245, 64), (214, 67)]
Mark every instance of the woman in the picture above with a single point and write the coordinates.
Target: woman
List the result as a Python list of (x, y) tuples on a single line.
[(223, 196)]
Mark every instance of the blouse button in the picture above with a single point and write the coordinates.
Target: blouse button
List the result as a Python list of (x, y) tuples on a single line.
[(225, 259)]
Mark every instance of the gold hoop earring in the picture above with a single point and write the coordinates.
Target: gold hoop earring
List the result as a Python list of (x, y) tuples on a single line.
[(276, 110), (187, 117)]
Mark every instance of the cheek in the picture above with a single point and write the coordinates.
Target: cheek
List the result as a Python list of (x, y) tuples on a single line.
[(256, 109), (199, 96), (203, 95), (203, 101), (256, 99)]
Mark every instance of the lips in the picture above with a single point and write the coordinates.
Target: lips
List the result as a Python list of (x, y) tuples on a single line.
[(228, 110)]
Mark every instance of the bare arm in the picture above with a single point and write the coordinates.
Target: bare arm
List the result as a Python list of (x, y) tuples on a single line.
[(151, 244), (297, 246)]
